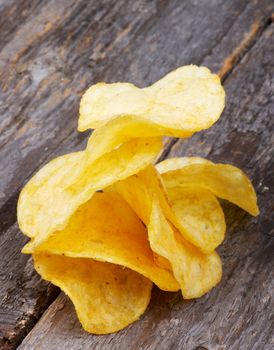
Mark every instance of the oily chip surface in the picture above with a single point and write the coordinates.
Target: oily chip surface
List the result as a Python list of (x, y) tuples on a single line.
[(106, 229), (66, 182), (185, 101), (195, 271), (224, 180), (106, 297)]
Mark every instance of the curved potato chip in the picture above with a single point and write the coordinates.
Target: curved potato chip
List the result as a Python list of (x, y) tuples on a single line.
[(43, 196), (191, 97), (136, 194), (201, 216), (186, 100), (106, 297), (102, 101), (196, 213), (224, 180), (134, 191), (196, 272), (106, 229), (58, 189), (118, 131)]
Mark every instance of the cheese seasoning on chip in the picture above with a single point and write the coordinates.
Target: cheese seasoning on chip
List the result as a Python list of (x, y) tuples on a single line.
[(147, 224)]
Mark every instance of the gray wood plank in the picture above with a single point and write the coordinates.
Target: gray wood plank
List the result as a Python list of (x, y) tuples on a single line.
[(50, 52), (23, 294), (238, 313)]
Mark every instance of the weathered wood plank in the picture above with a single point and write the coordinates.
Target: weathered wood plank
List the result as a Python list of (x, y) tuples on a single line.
[(21, 289), (237, 314), (50, 52)]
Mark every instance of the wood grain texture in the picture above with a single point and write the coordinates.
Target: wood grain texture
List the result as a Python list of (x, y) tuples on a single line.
[(238, 313), (50, 52), (23, 294)]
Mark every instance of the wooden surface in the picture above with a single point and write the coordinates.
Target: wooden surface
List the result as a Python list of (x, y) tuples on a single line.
[(50, 52)]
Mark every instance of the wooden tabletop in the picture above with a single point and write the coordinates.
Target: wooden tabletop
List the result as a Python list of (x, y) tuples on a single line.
[(51, 51)]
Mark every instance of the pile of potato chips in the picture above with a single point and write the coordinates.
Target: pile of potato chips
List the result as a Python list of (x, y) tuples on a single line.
[(105, 223)]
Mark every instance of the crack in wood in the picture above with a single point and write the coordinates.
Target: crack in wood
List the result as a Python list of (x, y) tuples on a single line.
[(249, 40)]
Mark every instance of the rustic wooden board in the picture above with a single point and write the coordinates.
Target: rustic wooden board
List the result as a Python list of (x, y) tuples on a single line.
[(50, 52), (237, 314)]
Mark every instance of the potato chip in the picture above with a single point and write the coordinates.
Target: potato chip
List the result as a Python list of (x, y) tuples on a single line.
[(58, 189), (186, 100), (118, 131), (43, 197), (110, 100), (136, 194), (200, 215), (187, 262), (134, 191), (106, 229), (190, 98), (106, 297), (196, 272), (194, 211), (224, 180)]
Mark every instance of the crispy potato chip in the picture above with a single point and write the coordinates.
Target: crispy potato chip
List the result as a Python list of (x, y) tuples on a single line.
[(196, 272), (200, 215), (106, 229), (224, 180), (118, 131), (106, 297), (110, 100), (187, 262), (136, 194), (43, 196), (59, 188), (195, 212), (186, 100), (191, 97), (134, 191)]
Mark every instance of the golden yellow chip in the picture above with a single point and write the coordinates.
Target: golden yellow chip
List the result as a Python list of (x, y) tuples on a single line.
[(110, 100), (224, 180), (106, 229), (50, 198), (186, 100), (134, 191), (106, 297), (195, 212), (200, 215), (137, 195), (190, 98), (196, 272), (118, 131)]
